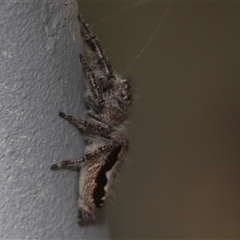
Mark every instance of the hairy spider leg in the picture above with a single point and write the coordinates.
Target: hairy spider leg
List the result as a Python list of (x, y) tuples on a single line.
[(90, 127), (89, 74), (87, 157), (95, 45)]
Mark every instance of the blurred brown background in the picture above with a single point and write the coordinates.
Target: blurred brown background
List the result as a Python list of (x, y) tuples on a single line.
[(182, 179)]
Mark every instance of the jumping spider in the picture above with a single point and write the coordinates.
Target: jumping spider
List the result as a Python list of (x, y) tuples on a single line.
[(108, 100)]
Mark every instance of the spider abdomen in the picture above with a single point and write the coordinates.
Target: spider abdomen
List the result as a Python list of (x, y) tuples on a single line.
[(96, 179)]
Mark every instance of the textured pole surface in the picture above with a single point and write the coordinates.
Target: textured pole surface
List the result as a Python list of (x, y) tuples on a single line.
[(40, 75)]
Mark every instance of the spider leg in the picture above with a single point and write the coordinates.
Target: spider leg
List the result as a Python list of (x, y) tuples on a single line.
[(87, 157), (96, 47), (97, 95), (88, 127)]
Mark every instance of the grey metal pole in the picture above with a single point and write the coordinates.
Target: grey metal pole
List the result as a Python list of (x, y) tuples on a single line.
[(40, 75)]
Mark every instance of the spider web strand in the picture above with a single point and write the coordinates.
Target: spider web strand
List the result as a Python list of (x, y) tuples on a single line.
[(150, 38)]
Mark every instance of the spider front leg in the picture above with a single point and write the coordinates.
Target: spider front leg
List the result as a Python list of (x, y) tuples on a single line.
[(89, 74), (96, 47)]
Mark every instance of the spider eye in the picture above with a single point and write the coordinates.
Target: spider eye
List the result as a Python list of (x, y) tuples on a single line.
[(127, 98), (126, 91)]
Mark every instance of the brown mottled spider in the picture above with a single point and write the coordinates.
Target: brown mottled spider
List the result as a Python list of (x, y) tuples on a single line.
[(108, 100)]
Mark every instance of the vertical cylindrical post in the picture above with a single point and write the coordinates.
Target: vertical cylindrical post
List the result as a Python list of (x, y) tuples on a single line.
[(40, 75)]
